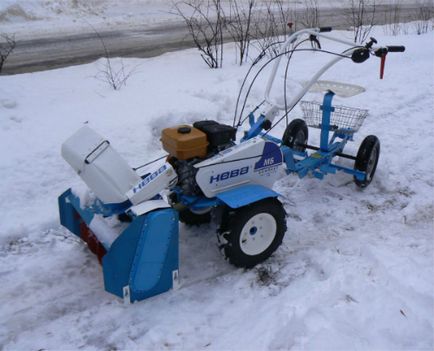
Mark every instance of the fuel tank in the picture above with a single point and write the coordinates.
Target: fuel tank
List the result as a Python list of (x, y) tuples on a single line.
[(184, 142)]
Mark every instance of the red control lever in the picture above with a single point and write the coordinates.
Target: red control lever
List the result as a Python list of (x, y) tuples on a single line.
[(382, 64), (382, 52)]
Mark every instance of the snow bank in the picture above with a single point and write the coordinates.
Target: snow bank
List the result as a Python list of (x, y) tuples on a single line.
[(355, 270), (35, 18), (15, 13)]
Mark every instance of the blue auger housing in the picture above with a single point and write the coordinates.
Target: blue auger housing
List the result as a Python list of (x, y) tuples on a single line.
[(142, 261)]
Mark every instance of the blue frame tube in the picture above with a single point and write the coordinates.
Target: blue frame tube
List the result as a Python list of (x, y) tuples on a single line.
[(327, 109), (255, 128)]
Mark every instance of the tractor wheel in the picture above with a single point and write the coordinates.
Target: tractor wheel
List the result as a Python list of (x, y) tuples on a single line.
[(250, 234), (194, 218), (367, 159), (296, 135)]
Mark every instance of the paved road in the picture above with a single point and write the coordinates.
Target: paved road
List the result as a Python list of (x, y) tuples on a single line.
[(60, 51)]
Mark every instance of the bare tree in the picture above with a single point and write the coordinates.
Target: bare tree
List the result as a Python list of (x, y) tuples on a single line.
[(7, 45), (238, 24), (310, 15), (271, 26), (205, 21), (361, 18), (423, 16)]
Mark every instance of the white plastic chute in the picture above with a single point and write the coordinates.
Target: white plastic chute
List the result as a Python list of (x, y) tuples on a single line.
[(99, 165)]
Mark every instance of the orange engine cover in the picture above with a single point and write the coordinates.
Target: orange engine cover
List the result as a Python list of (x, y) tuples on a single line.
[(184, 142)]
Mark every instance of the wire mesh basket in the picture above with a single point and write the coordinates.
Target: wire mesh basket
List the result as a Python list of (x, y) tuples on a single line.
[(343, 118)]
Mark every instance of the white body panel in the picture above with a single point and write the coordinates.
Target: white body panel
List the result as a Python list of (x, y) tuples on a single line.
[(163, 178), (147, 206), (99, 165), (255, 161)]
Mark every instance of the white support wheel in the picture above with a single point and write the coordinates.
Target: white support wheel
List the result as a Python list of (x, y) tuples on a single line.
[(249, 235), (257, 234)]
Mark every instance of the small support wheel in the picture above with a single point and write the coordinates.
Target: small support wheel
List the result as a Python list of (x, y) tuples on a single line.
[(250, 234), (189, 217), (296, 135), (367, 160)]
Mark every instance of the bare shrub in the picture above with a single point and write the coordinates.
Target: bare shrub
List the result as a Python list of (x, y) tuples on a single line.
[(392, 18), (283, 17), (115, 77), (205, 22), (7, 45), (271, 26), (310, 15), (360, 17), (239, 23), (423, 15)]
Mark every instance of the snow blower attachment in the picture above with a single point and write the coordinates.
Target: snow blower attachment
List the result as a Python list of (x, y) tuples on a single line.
[(138, 250), (131, 222)]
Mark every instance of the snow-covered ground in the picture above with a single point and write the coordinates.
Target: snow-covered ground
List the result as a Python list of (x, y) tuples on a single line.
[(29, 18), (355, 271)]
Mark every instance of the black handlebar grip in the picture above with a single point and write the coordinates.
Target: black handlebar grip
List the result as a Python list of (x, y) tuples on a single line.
[(396, 48), (325, 29)]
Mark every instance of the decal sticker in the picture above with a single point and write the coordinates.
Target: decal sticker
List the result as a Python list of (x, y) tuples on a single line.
[(271, 158), (149, 179), (229, 174)]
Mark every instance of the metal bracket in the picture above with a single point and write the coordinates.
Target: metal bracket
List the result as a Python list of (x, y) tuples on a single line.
[(176, 283), (127, 295)]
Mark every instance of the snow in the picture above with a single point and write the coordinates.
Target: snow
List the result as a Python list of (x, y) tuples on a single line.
[(106, 231), (40, 18), (355, 270)]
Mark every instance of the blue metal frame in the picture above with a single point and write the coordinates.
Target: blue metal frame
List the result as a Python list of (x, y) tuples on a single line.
[(327, 109), (255, 127), (234, 198), (318, 163), (245, 194)]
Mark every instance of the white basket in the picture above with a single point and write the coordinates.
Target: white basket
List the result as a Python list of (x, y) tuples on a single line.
[(343, 118)]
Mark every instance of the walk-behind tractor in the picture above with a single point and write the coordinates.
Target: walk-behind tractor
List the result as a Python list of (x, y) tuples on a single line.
[(131, 222)]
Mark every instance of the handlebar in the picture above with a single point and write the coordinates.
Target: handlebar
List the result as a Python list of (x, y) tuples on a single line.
[(380, 52), (325, 29), (394, 48), (357, 53), (383, 51)]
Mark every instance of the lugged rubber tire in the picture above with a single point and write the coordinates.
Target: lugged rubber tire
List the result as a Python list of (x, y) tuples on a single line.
[(296, 133), (239, 227), (190, 218), (367, 159)]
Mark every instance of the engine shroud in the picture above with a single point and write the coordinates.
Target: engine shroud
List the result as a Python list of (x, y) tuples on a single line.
[(198, 141), (188, 145), (219, 136)]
